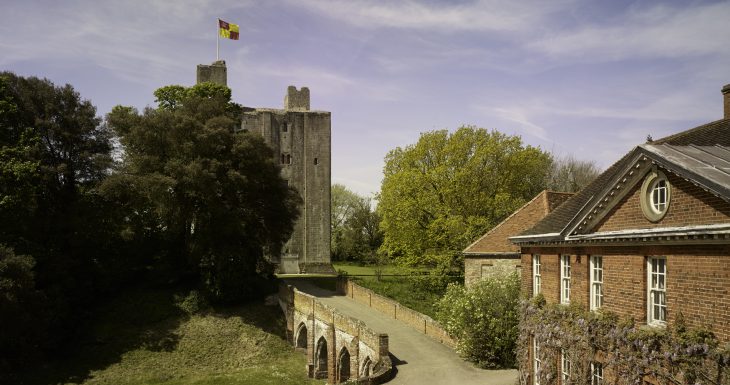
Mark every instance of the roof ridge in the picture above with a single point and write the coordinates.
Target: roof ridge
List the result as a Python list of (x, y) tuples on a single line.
[(504, 220), (687, 134)]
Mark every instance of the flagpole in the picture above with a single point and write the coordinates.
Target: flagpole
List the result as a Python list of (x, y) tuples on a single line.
[(217, 41)]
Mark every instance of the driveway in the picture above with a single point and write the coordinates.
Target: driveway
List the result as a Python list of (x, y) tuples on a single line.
[(418, 359)]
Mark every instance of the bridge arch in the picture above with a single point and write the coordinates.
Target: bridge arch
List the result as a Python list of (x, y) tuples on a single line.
[(320, 359), (301, 336), (343, 365), (366, 367)]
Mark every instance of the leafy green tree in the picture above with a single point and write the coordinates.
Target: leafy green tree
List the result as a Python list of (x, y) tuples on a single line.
[(343, 203), (441, 193), (484, 319), (216, 195), (356, 233)]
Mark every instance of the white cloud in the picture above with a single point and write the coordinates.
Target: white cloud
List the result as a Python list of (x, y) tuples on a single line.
[(659, 31), (138, 40), (480, 15), (521, 116)]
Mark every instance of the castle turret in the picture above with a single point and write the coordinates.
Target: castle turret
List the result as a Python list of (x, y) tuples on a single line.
[(296, 100), (214, 73)]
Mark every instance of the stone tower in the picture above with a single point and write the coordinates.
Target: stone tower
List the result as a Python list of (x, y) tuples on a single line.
[(301, 140), (214, 73)]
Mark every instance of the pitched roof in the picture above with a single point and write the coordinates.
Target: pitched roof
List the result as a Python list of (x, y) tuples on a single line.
[(496, 240), (709, 166), (715, 134)]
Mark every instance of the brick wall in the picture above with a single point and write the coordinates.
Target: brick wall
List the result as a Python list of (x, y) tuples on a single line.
[(526, 283), (689, 205), (698, 280), (497, 239), (700, 285)]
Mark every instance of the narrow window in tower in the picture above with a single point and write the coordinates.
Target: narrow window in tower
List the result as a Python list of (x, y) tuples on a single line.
[(288, 159), (283, 159), (316, 161), (285, 127)]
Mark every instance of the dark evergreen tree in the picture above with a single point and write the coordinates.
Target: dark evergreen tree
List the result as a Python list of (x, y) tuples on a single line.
[(216, 194)]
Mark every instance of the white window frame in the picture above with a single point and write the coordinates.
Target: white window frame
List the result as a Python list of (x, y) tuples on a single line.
[(564, 367), (659, 197), (656, 291), (656, 195), (536, 362), (565, 279), (596, 373), (596, 282), (536, 277)]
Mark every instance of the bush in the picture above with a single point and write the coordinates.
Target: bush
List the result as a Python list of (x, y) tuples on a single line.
[(484, 320), (192, 303)]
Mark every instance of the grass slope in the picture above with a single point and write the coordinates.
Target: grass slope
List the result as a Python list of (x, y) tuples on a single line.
[(409, 286), (145, 338)]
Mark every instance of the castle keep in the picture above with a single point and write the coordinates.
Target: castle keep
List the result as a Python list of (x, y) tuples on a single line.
[(301, 140)]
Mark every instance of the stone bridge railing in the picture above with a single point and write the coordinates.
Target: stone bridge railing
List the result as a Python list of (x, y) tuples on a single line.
[(339, 348), (395, 310)]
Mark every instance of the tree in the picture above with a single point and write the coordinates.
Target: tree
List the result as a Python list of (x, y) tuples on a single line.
[(343, 204), (441, 193), (356, 233), (216, 195), (24, 322), (570, 175), (53, 153)]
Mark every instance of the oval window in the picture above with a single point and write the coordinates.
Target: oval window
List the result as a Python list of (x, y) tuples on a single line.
[(655, 196)]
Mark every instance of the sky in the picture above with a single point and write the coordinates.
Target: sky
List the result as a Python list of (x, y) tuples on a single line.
[(589, 79)]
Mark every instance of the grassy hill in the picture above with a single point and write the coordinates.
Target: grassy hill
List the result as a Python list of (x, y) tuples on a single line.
[(153, 336)]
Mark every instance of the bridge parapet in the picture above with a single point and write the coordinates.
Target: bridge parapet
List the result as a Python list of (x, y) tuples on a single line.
[(338, 347)]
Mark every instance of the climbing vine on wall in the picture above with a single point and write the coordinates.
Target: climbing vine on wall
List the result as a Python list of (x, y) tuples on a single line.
[(674, 355)]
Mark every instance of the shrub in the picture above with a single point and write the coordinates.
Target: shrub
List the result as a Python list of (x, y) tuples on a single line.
[(192, 303), (672, 355), (484, 320)]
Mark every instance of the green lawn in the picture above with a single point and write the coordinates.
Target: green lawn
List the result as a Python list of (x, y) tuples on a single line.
[(144, 338), (413, 288)]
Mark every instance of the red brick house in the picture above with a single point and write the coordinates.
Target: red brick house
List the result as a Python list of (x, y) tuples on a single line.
[(648, 239), (493, 253)]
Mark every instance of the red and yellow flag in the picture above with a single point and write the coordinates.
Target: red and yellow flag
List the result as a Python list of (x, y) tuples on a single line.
[(227, 30)]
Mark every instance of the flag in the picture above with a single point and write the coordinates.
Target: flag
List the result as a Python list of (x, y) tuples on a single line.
[(227, 30)]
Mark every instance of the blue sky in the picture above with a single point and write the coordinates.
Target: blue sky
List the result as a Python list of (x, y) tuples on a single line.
[(587, 78)]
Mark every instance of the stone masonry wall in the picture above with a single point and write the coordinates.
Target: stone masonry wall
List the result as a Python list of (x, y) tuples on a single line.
[(478, 268), (301, 142)]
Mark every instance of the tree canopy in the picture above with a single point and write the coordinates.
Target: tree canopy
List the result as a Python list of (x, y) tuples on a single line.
[(53, 153), (356, 233), (215, 195), (441, 193), (570, 175)]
